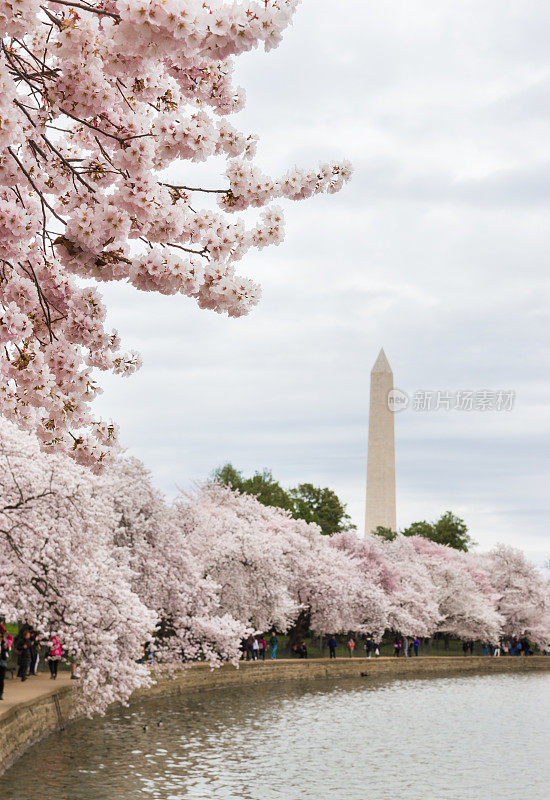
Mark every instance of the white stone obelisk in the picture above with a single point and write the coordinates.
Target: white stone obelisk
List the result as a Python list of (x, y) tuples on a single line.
[(381, 452)]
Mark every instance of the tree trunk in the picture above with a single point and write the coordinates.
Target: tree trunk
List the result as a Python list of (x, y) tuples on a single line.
[(299, 630)]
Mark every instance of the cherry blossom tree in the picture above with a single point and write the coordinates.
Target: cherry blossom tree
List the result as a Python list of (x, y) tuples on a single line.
[(429, 588), (273, 570), (243, 547), (522, 594), (59, 573), (102, 105), (466, 610), (149, 542), (328, 582), (400, 573)]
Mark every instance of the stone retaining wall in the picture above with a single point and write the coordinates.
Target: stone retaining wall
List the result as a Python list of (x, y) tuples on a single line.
[(24, 724), (201, 678)]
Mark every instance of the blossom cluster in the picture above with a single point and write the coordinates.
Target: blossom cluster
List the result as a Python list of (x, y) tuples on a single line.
[(100, 103)]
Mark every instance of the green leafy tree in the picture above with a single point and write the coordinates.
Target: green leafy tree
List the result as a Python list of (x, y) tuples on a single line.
[(425, 529), (385, 533), (229, 476), (449, 530), (307, 502), (262, 485), (268, 491), (321, 506)]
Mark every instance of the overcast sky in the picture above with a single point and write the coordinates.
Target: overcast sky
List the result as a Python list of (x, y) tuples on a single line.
[(437, 251)]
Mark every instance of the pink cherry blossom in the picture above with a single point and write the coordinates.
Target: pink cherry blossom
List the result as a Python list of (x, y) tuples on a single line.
[(99, 105)]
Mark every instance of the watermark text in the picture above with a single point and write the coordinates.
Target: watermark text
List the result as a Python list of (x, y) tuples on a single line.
[(449, 400)]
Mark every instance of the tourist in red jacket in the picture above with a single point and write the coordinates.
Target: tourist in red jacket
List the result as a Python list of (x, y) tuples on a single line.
[(54, 656)]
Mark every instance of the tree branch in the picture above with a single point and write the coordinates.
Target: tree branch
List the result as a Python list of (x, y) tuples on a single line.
[(34, 186), (86, 7)]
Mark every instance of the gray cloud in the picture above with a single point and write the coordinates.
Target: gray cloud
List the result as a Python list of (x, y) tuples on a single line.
[(438, 251)]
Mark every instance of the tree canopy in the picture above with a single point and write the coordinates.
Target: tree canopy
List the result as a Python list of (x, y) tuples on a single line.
[(321, 506), (448, 530)]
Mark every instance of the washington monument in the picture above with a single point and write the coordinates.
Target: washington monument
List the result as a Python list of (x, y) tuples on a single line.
[(381, 453)]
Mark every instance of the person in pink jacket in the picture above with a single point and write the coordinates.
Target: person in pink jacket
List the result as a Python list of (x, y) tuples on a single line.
[(54, 656)]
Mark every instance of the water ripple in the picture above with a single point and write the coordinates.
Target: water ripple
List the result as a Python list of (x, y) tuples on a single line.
[(444, 738)]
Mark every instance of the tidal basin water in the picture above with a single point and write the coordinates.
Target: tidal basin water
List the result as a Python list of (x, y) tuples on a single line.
[(454, 738)]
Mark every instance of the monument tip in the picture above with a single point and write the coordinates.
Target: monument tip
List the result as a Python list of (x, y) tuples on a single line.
[(381, 364)]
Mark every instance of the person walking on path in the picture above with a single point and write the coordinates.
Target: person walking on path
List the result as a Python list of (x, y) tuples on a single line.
[(23, 651), (332, 644), (255, 649), (351, 646), (273, 642), (3, 662), (496, 651), (35, 653), (397, 647), (416, 645), (54, 656), (369, 646), (262, 648)]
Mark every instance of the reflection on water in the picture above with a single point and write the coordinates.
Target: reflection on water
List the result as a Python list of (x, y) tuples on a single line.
[(453, 738)]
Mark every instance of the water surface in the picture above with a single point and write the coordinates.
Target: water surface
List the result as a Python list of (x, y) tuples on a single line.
[(453, 738)]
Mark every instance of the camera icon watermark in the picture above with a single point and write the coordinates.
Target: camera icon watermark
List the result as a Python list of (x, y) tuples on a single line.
[(458, 400)]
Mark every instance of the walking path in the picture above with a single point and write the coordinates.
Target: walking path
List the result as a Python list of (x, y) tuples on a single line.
[(17, 692), (41, 686)]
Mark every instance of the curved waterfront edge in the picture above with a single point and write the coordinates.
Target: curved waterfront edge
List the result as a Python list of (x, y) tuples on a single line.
[(25, 723)]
